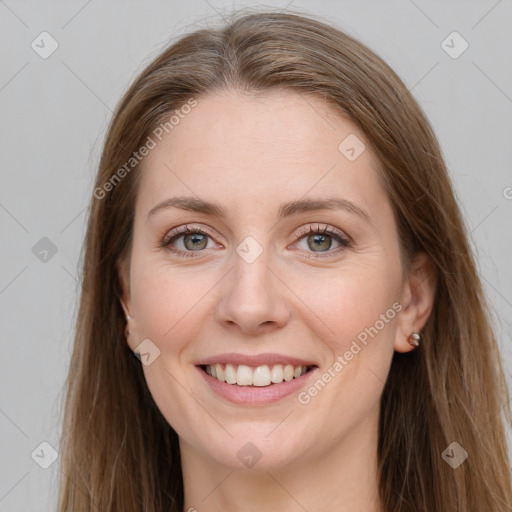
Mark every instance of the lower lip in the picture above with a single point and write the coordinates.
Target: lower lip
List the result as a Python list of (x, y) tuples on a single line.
[(254, 395)]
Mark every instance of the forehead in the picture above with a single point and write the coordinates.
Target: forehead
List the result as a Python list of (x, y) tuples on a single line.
[(244, 149)]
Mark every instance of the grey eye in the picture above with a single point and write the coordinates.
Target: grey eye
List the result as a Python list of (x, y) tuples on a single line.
[(195, 241), (319, 242)]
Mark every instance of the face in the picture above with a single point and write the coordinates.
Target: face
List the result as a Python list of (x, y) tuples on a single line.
[(280, 257)]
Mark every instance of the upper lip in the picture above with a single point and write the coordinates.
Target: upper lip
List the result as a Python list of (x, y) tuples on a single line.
[(255, 360)]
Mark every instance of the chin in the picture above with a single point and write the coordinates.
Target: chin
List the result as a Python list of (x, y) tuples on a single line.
[(257, 451)]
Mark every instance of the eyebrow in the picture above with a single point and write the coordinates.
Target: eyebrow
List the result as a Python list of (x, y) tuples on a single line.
[(288, 209)]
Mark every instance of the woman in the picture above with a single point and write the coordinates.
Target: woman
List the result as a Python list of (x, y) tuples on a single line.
[(274, 235)]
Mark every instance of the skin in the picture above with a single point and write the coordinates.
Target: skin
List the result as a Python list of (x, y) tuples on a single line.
[(249, 154)]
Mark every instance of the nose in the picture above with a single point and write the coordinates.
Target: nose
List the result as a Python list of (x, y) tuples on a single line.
[(253, 298)]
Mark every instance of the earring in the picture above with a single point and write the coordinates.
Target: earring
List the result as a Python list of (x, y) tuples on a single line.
[(127, 332), (414, 339)]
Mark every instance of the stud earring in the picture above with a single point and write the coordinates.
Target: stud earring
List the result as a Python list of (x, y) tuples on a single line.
[(127, 332), (414, 339)]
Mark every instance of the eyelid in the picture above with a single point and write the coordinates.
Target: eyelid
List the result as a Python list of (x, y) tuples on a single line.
[(187, 229), (310, 229), (315, 227)]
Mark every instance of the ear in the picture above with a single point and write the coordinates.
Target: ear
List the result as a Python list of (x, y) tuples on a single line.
[(418, 295), (123, 273)]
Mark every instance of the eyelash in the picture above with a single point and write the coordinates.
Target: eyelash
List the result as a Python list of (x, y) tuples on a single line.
[(186, 230)]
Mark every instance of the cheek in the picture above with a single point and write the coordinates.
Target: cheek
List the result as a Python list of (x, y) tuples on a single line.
[(169, 306), (166, 301), (350, 302), (359, 309)]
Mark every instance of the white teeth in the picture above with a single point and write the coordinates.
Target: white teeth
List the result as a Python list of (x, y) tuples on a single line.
[(261, 376), (244, 375), (230, 374), (220, 372), (288, 372), (277, 373)]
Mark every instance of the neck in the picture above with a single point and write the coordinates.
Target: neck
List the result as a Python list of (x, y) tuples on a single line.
[(342, 478)]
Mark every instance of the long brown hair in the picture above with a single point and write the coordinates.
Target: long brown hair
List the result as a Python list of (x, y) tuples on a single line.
[(120, 454)]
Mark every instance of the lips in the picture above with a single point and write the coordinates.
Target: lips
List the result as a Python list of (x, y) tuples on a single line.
[(255, 360), (257, 395), (255, 371)]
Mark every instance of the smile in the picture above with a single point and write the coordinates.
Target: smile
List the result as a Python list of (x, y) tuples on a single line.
[(259, 376), (256, 380)]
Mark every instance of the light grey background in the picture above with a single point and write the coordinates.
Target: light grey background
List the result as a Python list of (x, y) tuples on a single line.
[(54, 114)]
